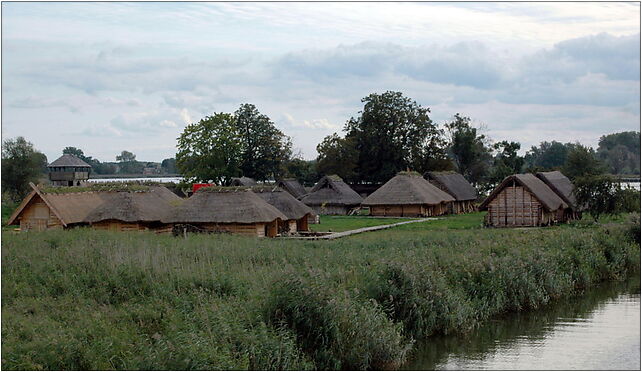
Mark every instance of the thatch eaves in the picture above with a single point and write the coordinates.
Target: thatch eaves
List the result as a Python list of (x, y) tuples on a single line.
[(331, 190), (210, 206), (407, 189), (455, 184), (149, 206), (562, 186), (292, 186), (68, 160), (292, 208), (549, 199)]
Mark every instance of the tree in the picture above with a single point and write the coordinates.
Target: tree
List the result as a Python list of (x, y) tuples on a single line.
[(581, 161), (210, 150), (620, 152), (169, 165), (125, 157), (547, 156), (603, 195), (21, 164), (337, 156), (506, 161), (305, 171), (468, 149), (391, 134), (264, 148)]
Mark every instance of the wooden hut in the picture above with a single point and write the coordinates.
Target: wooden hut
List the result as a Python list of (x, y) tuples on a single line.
[(522, 200), (68, 170), (228, 209), (105, 207), (292, 186), (332, 196), (296, 212), (458, 187), (243, 181), (408, 194), (564, 188)]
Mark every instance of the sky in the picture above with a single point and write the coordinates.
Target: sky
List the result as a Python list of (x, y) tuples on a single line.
[(107, 77)]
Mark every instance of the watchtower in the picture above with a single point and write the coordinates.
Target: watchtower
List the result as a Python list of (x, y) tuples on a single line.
[(68, 170)]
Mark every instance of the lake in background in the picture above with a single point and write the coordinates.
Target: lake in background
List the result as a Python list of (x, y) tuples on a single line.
[(599, 330)]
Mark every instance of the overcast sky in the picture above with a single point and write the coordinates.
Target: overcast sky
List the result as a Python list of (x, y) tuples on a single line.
[(108, 77)]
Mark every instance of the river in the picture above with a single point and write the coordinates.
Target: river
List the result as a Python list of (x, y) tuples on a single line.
[(599, 330)]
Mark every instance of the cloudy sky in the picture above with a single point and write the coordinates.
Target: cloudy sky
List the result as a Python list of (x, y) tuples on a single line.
[(108, 77)]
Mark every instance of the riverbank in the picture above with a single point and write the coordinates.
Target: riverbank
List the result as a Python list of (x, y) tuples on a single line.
[(98, 300)]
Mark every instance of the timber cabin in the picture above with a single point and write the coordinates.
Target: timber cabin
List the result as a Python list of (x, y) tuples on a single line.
[(458, 187), (297, 213), (95, 206), (408, 194), (227, 209), (523, 200), (564, 188), (68, 170), (332, 196)]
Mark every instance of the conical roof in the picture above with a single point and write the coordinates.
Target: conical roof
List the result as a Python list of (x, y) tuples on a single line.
[(68, 160), (408, 189)]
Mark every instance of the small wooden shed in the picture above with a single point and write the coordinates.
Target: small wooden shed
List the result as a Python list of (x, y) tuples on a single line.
[(105, 207), (522, 200), (228, 209), (243, 181), (292, 186), (296, 212), (408, 194), (68, 170), (564, 188), (458, 187), (332, 196)]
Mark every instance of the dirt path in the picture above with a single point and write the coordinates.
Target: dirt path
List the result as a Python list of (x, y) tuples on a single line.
[(358, 231)]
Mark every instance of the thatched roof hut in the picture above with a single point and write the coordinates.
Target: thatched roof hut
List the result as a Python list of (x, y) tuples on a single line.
[(292, 186), (296, 212), (523, 200), (408, 194), (115, 206), (332, 196), (243, 181), (231, 209), (564, 188), (457, 186)]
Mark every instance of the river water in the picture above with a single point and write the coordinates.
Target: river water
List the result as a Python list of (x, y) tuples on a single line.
[(599, 330)]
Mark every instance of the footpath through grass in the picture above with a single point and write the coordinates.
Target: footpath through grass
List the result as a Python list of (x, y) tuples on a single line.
[(86, 299)]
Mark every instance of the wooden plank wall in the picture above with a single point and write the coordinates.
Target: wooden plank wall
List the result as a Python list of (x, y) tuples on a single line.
[(414, 210), (516, 206), (37, 216)]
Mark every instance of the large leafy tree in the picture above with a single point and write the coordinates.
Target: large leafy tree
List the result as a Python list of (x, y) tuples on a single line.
[(21, 164), (305, 171), (392, 133), (264, 148), (169, 165), (210, 150), (582, 161), (338, 156), (621, 152), (547, 156), (468, 149), (506, 161)]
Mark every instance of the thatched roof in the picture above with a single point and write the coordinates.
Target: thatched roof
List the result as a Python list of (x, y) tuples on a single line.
[(454, 183), (68, 160), (562, 186), (224, 205), (407, 189), (243, 181), (534, 185), (292, 208), (292, 186), (331, 190), (89, 205), (148, 206)]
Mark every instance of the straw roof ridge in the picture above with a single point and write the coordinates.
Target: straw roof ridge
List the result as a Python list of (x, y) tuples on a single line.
[(549, 199), (292, 186), (243, 206), (331, 190), (135, 206), (454, 183), (282, 200), (68, 160), (100, 187), (562, 186), (407, 189)]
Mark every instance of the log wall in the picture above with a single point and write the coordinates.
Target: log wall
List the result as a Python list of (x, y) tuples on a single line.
[(515, 206)]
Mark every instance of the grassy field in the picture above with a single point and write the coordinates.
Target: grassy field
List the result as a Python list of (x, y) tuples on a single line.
[(344, 223), (85, 299)]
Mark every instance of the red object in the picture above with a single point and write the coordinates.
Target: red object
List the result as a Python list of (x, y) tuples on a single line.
[(196, 186)]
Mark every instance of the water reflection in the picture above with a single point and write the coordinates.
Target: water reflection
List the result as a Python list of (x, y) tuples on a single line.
[(598, 330)]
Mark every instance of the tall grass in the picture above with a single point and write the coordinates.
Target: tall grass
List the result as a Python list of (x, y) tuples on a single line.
[(85, 299)]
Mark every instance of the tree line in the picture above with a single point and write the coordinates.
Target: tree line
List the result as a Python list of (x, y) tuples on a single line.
[(390, 134)]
